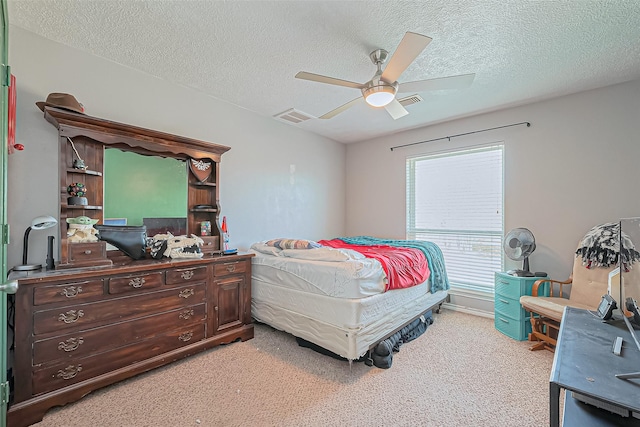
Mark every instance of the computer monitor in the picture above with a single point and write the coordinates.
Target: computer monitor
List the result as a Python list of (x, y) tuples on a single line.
[(629, 294)]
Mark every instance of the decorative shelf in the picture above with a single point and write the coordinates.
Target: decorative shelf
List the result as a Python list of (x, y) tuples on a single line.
[(203, 184), (85, 207), (85, 172), (202, 210)]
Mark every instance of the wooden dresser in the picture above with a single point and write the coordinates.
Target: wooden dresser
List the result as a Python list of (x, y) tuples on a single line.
[(77, 330), (101, 317)]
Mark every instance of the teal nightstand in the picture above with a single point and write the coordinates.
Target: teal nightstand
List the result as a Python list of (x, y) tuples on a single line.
[(509, 316)]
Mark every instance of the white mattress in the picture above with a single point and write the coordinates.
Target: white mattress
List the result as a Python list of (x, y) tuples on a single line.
[(350, 277), (308, 299), (342, 312), (348, 342)]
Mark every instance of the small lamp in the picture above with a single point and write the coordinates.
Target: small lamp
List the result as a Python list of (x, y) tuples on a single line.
[(38, 223)]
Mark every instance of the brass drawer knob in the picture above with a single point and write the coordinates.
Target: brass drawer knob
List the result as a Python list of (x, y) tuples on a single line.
[(87, 252), (71, 344), (186, 275), (136, 282), (186, 314), (69, 372), (231, 268), (70, 316), (186, 293), (186, 336), (71, 291)]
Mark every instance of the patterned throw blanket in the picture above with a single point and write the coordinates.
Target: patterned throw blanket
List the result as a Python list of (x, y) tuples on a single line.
[(404, 267), (435, 259)]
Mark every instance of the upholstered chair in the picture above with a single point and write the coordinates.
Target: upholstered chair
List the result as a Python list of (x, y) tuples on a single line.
[(598, 254), (586, 286)]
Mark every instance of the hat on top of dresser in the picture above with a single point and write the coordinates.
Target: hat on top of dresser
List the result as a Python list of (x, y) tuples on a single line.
[(62, 100)]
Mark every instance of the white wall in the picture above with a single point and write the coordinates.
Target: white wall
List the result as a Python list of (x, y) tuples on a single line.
[(260, 195), (574, 168)]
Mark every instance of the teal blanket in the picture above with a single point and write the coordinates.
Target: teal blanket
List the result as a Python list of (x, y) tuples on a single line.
[(438, 277)]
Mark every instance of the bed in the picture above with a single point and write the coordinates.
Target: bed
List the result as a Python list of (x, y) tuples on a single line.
[(335, 297)]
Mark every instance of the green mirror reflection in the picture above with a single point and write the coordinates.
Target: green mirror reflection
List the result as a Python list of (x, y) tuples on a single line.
[(138, 187)]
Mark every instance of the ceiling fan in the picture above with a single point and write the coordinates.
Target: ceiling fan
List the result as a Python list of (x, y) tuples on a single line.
[(381, 90)]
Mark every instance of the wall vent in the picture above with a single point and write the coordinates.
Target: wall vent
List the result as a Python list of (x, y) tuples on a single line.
[(413, 99), (293, 116)]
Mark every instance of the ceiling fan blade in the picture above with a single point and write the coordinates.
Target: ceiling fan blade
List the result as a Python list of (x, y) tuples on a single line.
[(451, 82), (329, 80), (395, 109), (340, 109), (408, 50)]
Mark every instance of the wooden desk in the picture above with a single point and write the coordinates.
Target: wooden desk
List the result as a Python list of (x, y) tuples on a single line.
[(584, 362)]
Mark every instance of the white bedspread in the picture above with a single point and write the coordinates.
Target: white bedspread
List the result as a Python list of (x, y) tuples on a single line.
[(350, 274)]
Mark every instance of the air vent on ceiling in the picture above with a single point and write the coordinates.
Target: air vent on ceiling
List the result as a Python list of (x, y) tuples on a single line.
[(413, 99), (293, 116)]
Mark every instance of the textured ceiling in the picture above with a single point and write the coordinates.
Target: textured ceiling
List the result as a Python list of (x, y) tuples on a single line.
[(248, 52)]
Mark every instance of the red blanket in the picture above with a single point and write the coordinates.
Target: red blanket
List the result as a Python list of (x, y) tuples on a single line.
[(405, 267)]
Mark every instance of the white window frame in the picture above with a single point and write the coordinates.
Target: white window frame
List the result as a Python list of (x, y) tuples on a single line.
[(473, 272)]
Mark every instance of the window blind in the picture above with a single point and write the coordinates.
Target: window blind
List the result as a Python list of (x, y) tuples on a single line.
[(455, 200)]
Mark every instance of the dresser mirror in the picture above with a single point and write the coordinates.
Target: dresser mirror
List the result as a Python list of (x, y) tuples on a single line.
[(145, 190)]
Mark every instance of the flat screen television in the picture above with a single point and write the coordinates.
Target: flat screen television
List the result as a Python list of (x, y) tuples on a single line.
[(629, 292)]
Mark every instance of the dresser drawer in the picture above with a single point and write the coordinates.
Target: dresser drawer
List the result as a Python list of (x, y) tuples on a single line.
[(509, 307), (509, 287), (514, 287), (227, 268), (84, 316), (71, 292), (75, 370), (516, 329), (136, 282), (81, 252), (186, 275), (105, 338)]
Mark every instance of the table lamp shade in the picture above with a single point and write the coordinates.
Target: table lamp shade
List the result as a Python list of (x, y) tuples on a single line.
[(38, 223)]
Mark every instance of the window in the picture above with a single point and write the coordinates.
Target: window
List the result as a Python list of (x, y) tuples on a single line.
[(454, 199)]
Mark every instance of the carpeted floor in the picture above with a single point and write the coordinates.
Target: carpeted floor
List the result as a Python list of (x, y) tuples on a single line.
[(460, 372)]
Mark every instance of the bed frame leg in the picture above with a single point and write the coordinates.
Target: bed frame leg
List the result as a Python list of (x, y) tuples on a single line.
[(367, 359), (437, 310)]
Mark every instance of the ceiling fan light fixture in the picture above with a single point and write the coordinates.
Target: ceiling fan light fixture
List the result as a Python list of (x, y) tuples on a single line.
[(379, 96)]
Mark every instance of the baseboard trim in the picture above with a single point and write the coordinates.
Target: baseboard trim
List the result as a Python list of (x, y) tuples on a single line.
[(468, 293), (478, 303), (468, 310)]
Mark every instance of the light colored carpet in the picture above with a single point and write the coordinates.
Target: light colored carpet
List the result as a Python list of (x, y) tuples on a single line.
[(460, 372)]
